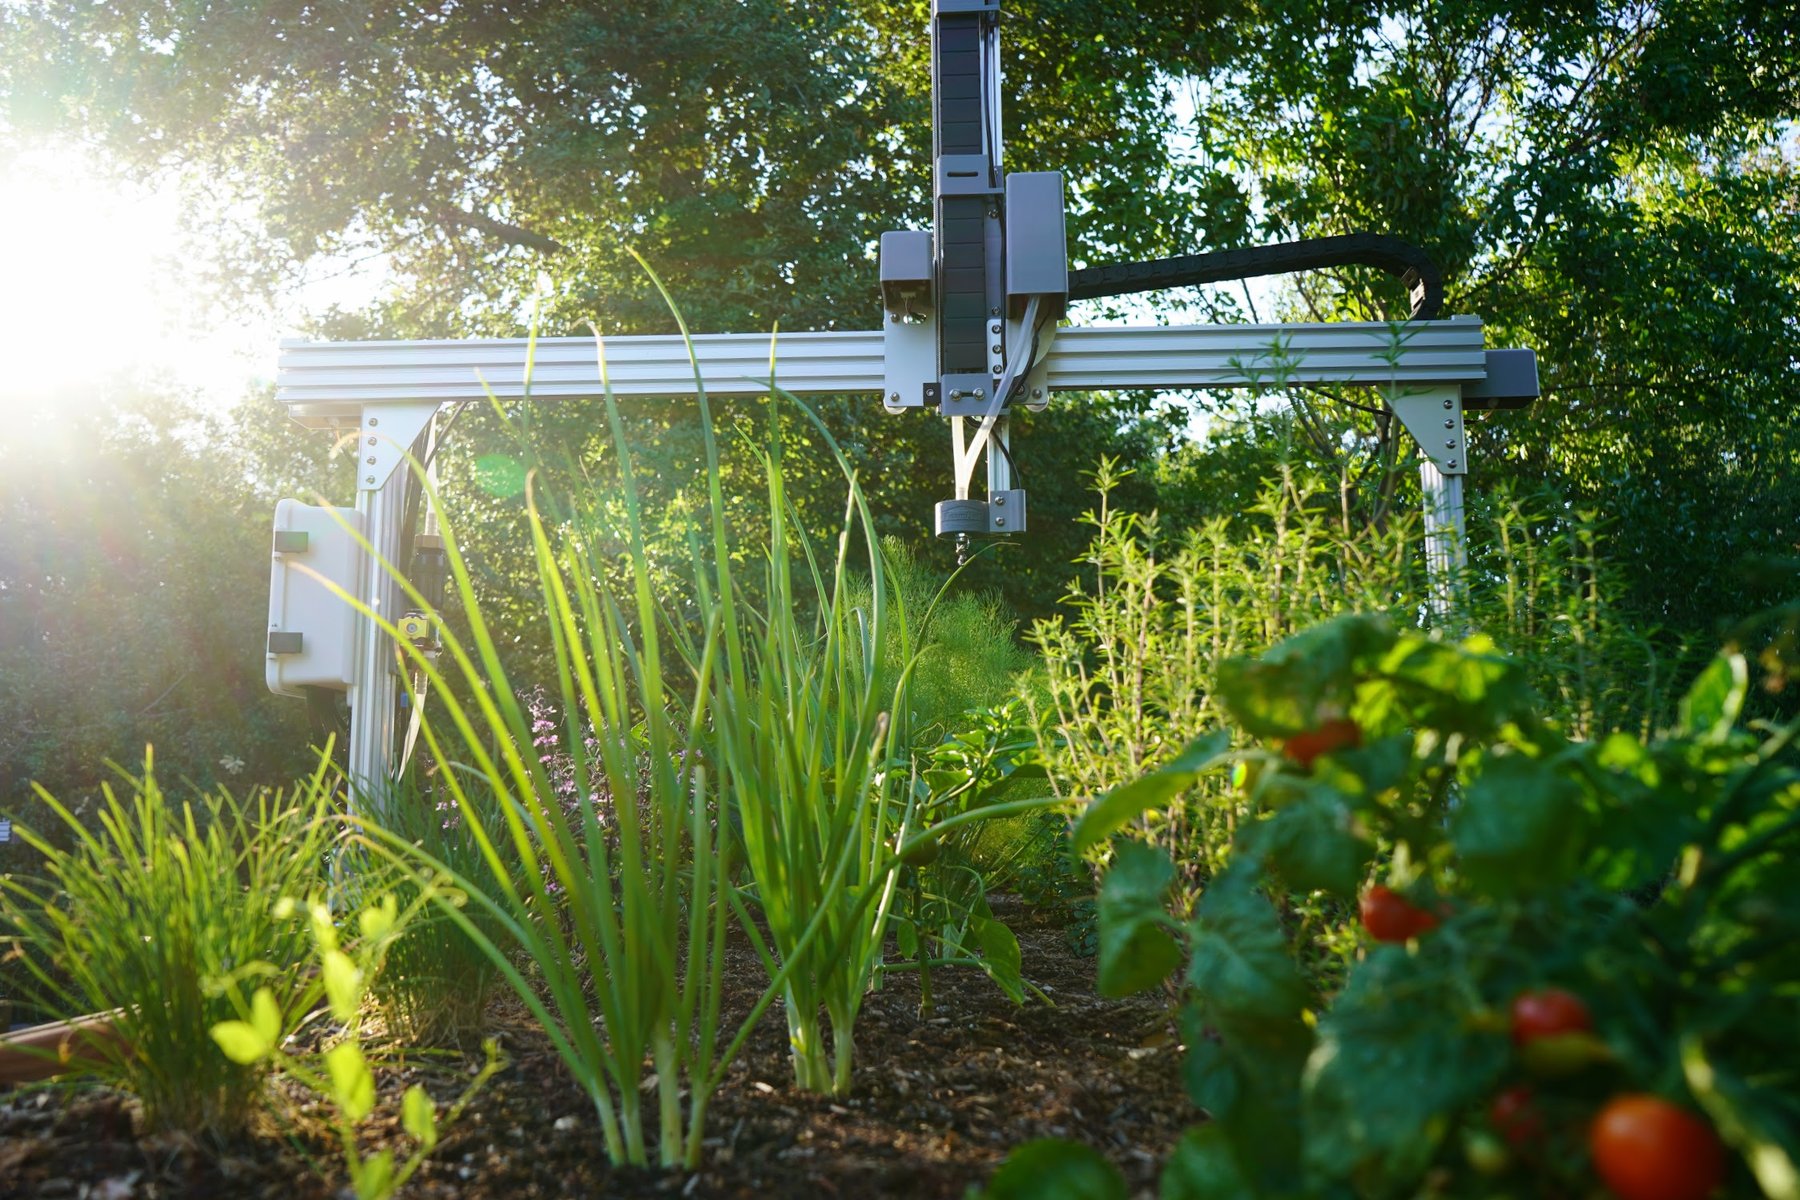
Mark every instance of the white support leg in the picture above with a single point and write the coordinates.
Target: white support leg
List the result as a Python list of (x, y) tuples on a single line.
[(374, 696), (1445, 557)]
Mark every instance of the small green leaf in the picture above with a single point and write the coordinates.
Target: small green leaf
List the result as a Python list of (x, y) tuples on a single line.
[(1056, 1170), (265, 1016), (418, 1116), (323, 931), (343, 984), (240, 1042), (352, 1083), (1110, 812), (1136, 951), (1203, 1166), (375, 921), (1519, 826), (1712, 705), (1312, 672), (1242, 963), (1000, 951), (375, 1176), (1314, 845)]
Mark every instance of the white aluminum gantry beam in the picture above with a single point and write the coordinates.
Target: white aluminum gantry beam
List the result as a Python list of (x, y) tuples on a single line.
[(388, 392)]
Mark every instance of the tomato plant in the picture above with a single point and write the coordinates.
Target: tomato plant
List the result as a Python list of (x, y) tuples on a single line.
[(1657, 882), (1547, 1012), (1645, 1148), (1391, 917), (1515, 1117), (1328, 737)]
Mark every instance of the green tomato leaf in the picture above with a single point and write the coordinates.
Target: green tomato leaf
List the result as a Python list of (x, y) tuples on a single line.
[(241, 1042), (418, 1116), (1395, 1059), (1519, 827), (1110, 812), (1136, 951), (1056, 1170), (1203, 1166), (1314, 845), (1286, 690), (352, 1083), (343, 984), (1242, 964), (1712, 705), (1469, 689)]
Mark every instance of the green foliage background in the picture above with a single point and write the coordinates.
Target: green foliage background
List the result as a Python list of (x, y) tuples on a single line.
[(1609, 182)]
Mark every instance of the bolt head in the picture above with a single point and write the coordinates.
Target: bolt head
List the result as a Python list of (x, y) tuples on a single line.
[(998, 369), (1037, 393), (999, 522), (999, 501), (1449, 404), (1449, 424), (994, 328), (998, 348), (1450, 444), (1452, 464), (371, 441), (370, 460), (371, 479), (893, 397), (374, 421)]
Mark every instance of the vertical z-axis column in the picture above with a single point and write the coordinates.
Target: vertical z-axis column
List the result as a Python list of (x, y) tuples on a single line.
[(967, 196)]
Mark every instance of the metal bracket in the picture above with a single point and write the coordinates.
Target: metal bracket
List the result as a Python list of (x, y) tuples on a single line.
[(388, 432), (1434, 416), (909, 362)]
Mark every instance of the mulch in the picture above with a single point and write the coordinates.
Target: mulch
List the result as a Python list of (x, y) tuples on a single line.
[(938, 1100)]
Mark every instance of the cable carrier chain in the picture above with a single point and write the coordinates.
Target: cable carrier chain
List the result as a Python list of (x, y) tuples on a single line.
[(973, 330)]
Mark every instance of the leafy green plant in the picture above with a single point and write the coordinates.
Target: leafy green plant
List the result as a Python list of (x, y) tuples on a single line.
[(258, 1038), (144, 917), (435, 982), (945, 919), (1583, 946), (720, 736)]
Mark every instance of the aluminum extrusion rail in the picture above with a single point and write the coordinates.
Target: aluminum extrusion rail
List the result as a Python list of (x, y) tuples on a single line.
[(327, 384)]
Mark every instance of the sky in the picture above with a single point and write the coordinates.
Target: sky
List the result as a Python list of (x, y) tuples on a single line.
[(99, 291)]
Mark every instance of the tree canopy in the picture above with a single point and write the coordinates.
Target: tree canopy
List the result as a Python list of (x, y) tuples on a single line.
[(1610, 182)]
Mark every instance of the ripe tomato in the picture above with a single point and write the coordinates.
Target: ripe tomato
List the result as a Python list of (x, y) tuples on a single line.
[(1391, 917), (1548, 1012), (1514, 1115), (1336, 733), (1645, 1148)]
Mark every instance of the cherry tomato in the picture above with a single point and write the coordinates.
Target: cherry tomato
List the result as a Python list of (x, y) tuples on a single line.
[(1391, 917), (1645, 1148), (1514, 1115), (1548, 1012), (1336, 733)]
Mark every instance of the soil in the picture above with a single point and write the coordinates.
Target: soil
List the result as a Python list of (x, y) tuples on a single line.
[(938, 1101)]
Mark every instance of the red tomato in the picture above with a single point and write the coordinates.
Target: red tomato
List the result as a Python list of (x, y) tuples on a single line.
[(1391, 917), (1337, 733), (1645, 1148), (1515, 1117), (1547, 1012)]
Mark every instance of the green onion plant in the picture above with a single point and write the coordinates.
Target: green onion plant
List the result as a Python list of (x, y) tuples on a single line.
[(148, 915)]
